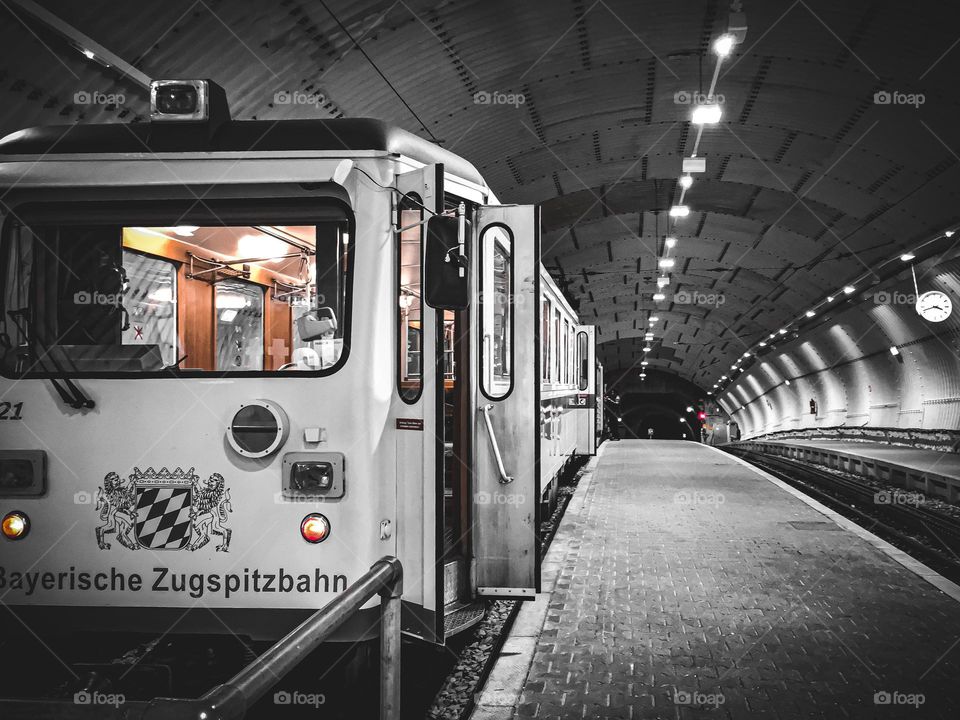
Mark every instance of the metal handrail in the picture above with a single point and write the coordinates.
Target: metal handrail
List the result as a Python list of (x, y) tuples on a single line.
[(504, 478), (232, 699)]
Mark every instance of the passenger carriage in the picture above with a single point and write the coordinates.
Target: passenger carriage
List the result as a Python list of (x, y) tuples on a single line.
[(244, 360)]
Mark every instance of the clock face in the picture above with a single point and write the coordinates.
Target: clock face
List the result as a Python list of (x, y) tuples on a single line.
[(934, 306)]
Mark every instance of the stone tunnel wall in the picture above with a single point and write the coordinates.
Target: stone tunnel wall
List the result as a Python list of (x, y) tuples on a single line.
[(844, 365)]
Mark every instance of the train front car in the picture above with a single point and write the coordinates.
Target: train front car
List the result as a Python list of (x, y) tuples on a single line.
[(222, 395)]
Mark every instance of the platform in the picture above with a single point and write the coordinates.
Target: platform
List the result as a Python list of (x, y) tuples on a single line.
[(932, 472), (685, 584)]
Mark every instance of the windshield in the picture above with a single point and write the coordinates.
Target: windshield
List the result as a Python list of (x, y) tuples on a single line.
[(135, 298)]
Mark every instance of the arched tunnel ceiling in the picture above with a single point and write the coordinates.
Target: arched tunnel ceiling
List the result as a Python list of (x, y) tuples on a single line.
[(809, 182)]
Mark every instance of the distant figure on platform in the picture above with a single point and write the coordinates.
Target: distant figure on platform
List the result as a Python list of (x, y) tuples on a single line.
[(613, 410), (650, 433)]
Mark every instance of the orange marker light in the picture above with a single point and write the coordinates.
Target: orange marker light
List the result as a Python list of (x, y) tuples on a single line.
[(315, 528), (15, 525)]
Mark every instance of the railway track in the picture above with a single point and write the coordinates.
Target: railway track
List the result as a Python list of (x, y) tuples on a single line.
[(928, 535)]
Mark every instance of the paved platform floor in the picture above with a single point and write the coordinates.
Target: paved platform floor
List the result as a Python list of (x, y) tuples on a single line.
[(931, 461), (687, 585)]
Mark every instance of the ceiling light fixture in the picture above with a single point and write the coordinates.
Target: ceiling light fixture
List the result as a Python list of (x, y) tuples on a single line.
[(686, 181), (667, 263), (678, 211), (662, 282), (724, 45), (907, 257), (849, 290), (657, 297), (653, 319), (707, 114), (670, 242), (894, 350), (810, 313)]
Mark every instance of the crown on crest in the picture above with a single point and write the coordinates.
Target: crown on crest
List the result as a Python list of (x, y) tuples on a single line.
[(164, 475)]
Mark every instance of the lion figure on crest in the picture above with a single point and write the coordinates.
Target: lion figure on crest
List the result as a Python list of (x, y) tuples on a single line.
[(211, 506), (116, 503)]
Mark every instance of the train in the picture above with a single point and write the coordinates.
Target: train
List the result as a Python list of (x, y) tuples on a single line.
[(243, 360)]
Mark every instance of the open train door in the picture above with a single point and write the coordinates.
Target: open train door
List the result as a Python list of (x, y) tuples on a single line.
[(505, 349)]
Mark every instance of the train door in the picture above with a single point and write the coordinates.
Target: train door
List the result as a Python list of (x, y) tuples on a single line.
[(505, 342), (419, 412)]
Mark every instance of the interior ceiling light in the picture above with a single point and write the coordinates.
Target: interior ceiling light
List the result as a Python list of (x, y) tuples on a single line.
[(670, 242), (642, 375), (707, 114), (659, 296), (686, 181), (723, 377), (724, 45), (667, 263), (679, 211)]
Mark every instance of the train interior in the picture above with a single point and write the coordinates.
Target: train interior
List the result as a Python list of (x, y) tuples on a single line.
[(96, 297)]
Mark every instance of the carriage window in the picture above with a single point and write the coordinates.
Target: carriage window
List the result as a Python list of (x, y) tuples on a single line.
[(410, 333), (556, 346), (566, 351), (239, 308), (583, 361), (545, 339), (496, 311), (152, 304), (82, 295)]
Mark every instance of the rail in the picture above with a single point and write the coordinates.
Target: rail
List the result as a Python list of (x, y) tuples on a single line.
[(504, 478), (232, 699)]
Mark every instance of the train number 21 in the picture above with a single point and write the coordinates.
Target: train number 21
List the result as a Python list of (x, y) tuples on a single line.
[(6, 408)]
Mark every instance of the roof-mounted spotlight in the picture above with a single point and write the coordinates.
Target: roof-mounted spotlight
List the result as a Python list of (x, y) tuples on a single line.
[(188, 101), (707, 114), (678, 211)]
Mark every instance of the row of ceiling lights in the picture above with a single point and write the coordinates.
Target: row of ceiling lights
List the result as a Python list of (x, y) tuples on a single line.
[(708, 113), (847, 290)]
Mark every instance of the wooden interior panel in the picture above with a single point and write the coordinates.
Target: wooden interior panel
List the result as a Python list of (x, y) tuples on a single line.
[(195, 321), (277, 333)]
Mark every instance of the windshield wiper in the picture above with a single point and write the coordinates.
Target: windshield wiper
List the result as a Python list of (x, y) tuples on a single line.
[(71, 394)]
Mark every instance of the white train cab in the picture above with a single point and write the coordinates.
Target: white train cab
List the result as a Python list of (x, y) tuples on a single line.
[(243, 360)]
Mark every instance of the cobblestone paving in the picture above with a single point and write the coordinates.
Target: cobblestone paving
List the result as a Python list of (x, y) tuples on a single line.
[(698, 589)]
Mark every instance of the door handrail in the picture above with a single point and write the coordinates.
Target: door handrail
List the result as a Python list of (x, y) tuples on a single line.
[(504, 478), (232, 699)]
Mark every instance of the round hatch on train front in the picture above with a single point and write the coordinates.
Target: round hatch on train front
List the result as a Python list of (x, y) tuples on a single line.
[(258, 429)]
